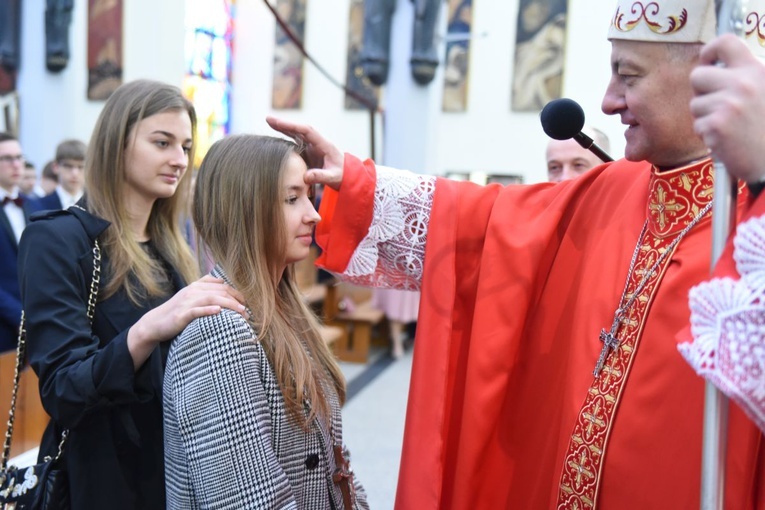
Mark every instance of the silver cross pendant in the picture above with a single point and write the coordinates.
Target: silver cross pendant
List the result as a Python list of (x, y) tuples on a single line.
[(610, 343)]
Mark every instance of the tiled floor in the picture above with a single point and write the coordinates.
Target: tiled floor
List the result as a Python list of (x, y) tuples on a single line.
[(373, 426)]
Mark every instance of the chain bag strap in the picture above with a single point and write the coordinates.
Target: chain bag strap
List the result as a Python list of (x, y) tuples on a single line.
[(18, 487)]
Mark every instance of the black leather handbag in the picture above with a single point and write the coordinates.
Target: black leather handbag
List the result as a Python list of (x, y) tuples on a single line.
[(42, 486)]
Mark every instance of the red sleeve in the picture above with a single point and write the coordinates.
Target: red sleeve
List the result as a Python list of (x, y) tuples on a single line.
[(726, 266), (346, 215)]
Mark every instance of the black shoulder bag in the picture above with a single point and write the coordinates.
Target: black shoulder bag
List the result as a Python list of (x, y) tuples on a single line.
[(42, 486)]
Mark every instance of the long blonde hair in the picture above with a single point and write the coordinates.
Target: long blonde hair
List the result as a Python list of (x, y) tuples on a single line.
[(238, 214), (131, 267)]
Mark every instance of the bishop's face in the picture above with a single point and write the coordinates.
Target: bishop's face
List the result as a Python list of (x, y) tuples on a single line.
[(650, 90)]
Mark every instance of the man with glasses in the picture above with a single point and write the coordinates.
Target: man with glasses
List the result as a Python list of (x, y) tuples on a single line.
[(14, 215)]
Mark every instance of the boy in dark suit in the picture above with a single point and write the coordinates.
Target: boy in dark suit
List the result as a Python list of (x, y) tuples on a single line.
[(14, 215), (69, 166)]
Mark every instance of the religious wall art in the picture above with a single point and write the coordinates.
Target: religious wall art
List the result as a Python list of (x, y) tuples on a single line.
[(355, 79), (539, 54), (9, 113), (10, 44), (457, 56), (58, 18), (287, 89), (483, 178), (504, 179), (104, 48), (457, 175), (7, 81)]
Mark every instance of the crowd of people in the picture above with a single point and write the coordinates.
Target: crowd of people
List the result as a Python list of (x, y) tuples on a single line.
[(546, 369)]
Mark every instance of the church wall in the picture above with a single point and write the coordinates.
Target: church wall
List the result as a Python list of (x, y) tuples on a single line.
[(487, 138), (55, 106)]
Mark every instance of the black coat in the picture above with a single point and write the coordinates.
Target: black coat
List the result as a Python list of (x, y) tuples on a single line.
[(114, 453)]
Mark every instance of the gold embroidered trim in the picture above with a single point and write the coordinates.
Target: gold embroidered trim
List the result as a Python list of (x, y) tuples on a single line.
[(675, 199), (650, 14)]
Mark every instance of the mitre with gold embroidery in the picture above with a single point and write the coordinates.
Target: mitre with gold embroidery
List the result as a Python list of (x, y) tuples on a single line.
[(752, 21), (688, 21), (671, 21)]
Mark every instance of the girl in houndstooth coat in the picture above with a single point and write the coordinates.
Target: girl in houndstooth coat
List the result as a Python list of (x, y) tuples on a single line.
[(252, 406)]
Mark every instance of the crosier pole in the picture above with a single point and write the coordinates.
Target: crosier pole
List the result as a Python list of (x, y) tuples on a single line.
[(730, 20)]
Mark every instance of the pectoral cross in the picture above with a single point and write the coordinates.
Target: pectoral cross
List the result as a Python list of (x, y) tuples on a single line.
[(610, 343)]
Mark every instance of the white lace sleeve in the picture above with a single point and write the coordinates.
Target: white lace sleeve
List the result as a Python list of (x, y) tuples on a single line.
[(393, 252), (728, 325)]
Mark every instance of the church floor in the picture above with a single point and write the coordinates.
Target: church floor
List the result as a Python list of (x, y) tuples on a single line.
[(373, 423)]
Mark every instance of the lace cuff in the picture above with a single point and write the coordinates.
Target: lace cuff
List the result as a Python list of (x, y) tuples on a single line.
[(728, 325), (393, 252)]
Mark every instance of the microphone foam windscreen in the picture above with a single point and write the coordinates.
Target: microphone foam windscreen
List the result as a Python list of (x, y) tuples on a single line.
[(562, 118)]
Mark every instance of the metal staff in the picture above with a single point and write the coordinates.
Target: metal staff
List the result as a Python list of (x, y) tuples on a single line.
[(730, 18)]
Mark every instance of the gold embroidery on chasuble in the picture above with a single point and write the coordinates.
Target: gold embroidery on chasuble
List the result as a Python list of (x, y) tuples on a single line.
[(675, 198)]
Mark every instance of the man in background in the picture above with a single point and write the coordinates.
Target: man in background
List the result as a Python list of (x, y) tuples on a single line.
[(69, 167), (48, 179), (28, 184), (15, 209), (567, 159)]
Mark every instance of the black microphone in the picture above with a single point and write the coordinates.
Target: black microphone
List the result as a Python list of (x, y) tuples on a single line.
[(563, 119)]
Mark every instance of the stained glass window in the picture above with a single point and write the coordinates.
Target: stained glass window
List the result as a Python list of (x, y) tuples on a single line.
[(207, 83)]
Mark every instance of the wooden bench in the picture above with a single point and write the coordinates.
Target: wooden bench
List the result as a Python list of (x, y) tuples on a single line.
[(31, 418), (350, 306), (314, 294), (332, 335)]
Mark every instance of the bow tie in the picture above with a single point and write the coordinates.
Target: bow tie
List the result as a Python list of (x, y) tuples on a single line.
[(18, 201)]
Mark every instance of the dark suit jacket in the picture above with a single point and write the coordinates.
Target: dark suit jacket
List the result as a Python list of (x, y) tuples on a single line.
[(10, 302), (114, 453), (51, 202)]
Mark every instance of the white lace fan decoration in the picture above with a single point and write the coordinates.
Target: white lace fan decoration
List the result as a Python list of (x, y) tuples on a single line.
[(728, 325)]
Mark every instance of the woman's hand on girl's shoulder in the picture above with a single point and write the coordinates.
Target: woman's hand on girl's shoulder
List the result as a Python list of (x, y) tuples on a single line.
[(206, 296)]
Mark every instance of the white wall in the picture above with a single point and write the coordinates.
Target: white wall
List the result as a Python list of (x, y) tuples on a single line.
[(488, 137), (54, 106), (326, 38)]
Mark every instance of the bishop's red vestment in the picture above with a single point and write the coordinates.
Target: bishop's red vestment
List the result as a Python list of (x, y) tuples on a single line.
[(726, 340), (517, 285)]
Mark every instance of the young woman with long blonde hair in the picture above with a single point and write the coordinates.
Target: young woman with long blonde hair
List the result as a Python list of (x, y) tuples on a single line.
[(102, 379), (252, 406)]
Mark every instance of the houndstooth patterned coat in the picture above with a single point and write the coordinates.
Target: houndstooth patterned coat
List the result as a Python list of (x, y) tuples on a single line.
[(228, 441)]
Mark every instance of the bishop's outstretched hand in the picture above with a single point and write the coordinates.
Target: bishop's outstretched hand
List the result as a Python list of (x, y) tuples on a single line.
[(325, 161)]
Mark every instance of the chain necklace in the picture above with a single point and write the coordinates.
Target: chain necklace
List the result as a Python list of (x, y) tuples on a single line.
[(609, 338)]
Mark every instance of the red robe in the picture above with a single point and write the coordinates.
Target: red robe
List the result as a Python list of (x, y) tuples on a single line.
[(728, 318), (518, 283)]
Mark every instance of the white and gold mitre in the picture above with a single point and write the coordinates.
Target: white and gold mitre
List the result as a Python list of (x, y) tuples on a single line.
[(754, 26), (671, 21), (687, 21)]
